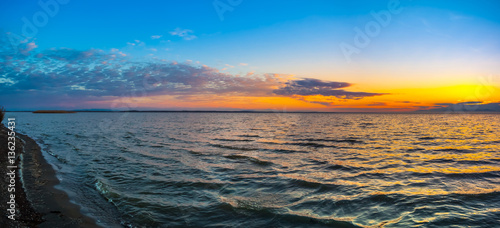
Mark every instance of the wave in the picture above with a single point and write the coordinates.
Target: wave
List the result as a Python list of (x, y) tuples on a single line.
[(196, 183), (431, 173), (285, 151), (348, 140), (248, 158), (249, 136), (267, 206), (427, 138), (156, 146), (106, 191), (341, 167), (233, 147), (57, 156), (234, 140), (311, 144)]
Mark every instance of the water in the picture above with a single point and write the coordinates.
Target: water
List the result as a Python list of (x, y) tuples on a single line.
[(276, 169)]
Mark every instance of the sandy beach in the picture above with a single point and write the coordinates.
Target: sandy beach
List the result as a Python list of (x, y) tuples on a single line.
[(37, 202)]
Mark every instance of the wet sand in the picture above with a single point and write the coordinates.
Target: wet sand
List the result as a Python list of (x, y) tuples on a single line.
[(38, 203)]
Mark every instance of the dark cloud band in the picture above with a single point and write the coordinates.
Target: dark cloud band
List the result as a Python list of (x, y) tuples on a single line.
[(310, 86)]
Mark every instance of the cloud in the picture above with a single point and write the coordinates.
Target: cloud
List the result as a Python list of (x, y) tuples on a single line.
[(186, 34), (469, 106), (243, 64), (377, 104), (457, 17), (325, 102), (30, 46), (67, 77), (136, 43), (72, 76), (156, 37), (16, 44), (311, 87)]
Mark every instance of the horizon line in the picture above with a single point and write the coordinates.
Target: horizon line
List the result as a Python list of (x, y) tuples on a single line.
[(263, 111)]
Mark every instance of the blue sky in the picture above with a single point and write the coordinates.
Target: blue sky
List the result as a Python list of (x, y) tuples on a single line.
[(427, 43)]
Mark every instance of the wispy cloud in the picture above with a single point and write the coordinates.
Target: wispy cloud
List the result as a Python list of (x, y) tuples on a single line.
[(30, 46), (156, 37), (186, 34), (457, 17), (377, 104)]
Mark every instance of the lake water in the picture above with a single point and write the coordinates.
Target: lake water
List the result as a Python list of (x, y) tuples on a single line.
[(275, 169)]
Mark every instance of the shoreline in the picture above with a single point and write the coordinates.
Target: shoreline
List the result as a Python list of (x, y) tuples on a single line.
[(38, 202)]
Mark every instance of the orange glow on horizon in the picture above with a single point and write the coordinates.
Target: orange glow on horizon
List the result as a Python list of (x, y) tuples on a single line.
[(404, 99)]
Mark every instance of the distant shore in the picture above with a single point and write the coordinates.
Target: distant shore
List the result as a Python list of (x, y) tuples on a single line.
[(37, 202), (53, 111), (264, 111)]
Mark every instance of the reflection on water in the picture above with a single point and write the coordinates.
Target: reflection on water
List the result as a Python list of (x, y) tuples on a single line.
[(254, 169)]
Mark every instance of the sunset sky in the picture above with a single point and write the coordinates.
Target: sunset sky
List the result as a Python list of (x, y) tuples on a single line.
[(381, 55)]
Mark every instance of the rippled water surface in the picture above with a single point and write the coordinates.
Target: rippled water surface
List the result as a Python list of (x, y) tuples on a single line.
[(276, 169)]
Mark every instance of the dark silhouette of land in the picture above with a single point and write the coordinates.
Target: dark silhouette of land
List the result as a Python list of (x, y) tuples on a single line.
[(54, 111)]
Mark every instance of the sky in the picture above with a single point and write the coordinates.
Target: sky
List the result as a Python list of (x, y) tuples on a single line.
[(332, 56)]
